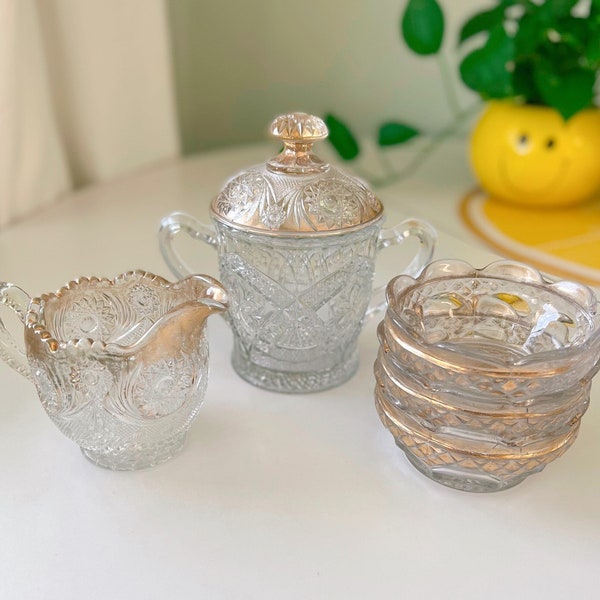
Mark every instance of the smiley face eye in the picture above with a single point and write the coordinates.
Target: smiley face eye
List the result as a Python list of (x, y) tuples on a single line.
[(550, 143), (522, 143)]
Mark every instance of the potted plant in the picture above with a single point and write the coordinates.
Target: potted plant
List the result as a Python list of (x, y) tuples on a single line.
[(535, 64)]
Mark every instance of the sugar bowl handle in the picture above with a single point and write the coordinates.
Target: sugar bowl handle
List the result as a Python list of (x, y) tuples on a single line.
[(170, 227), (11, 353), (426, 236)]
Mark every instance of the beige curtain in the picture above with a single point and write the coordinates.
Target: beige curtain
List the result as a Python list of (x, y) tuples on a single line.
[(86, 95)]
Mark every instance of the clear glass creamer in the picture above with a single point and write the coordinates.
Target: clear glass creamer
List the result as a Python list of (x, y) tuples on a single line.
[(120, 365), (297, 241)]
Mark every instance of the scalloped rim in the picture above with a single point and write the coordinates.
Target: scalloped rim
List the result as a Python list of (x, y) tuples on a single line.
[(86, 344), (579, 293)]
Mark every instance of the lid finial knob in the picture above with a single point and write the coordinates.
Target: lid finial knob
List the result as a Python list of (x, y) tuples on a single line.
[(298, 131)]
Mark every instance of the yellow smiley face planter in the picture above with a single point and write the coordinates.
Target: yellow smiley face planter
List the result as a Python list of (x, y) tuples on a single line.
[(529, 155)]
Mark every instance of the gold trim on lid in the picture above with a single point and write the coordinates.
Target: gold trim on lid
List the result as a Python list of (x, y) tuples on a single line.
[(296, 192)]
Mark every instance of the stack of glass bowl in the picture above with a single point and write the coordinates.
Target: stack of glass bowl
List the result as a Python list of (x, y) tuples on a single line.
[(483, 375)]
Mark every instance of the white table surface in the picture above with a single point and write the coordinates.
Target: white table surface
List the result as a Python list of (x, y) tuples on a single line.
[(274, 496)]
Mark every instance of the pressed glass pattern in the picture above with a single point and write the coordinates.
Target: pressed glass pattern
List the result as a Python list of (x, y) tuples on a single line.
[(296, 191), (120, 365), (297, 241), (483, 376), (297, 307)]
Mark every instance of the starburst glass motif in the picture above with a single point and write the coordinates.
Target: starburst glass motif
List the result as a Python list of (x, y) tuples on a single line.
[(143, 300), (162, 388), (91, 379), (243, 196), (90, 316), (333, 203), (273, 217), (272, 201), (126, 405)]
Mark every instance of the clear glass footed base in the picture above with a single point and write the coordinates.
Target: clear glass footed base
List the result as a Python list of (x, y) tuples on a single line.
[(137, 457), (290, 382), (462, 479), (469, 464)]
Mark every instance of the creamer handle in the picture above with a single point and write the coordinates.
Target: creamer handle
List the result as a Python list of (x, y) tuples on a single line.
[(11, 353)]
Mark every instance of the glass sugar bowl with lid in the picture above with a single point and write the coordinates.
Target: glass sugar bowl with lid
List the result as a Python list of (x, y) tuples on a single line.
[(297, 240)]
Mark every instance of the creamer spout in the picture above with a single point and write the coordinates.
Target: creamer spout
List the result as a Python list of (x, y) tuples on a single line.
[(180, 330)]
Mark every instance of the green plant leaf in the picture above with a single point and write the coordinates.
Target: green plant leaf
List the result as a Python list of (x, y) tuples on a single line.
[(422, 26), (567, 92), (592, 51), (341, 138), (574, 33), (552, 9), (529, 34), (487, 69), (483, 21), (392, 134), (524, 83)]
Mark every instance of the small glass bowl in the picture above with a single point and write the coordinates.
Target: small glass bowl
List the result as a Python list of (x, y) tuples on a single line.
[(483, 375)]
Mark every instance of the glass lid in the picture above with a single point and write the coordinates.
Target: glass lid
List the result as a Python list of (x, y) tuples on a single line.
[(296, 192)]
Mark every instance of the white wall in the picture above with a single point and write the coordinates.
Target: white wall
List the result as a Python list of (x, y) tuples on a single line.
[(239, 63), (109, 64)]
